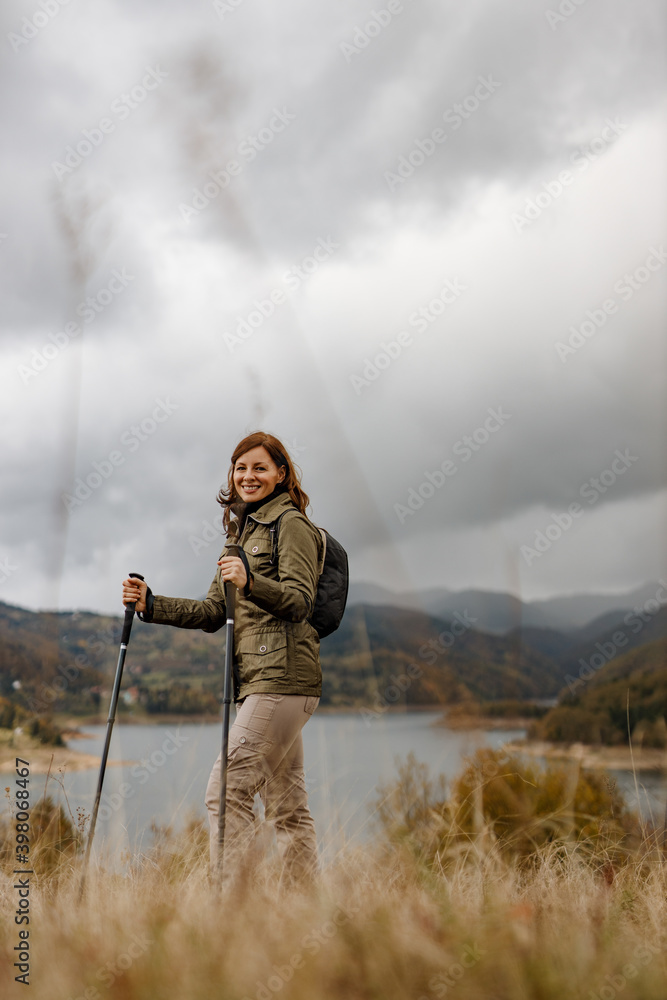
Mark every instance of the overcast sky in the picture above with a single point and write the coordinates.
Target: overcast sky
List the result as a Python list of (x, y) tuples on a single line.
[(452, 217)]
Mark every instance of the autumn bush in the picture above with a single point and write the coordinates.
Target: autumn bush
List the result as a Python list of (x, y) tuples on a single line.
[(493, 888), (55, 839), (504, 805)]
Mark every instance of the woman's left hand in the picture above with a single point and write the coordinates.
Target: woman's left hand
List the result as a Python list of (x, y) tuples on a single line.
[(233, 571)]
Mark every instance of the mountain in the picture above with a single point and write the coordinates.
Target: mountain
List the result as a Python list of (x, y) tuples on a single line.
[(610, 636), (389, 654), (497, 611), (361, 592), (30, 658), (577, 610), (59, 660), (64, 661), (380, 654), (548, 641), (628, 693), (494, 611)]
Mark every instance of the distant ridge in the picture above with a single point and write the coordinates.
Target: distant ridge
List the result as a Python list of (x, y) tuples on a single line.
[(62, 661), (500, 612)]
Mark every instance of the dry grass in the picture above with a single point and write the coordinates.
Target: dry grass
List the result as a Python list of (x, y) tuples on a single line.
[(445, 905), (376, 926)]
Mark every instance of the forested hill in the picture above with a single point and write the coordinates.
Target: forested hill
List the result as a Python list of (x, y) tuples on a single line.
[(60, 661), (375, 647), (627, 695)]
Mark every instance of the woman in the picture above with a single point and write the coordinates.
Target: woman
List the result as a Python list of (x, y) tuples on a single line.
[(277, 675)]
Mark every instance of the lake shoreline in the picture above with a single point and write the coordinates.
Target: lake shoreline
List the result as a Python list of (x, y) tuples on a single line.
[(595, 757), (48, 759), (592, 757), (486, 722), (71, 725)]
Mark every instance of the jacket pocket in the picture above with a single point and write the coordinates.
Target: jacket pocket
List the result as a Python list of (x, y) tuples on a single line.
[(262, 655), (257, 548)]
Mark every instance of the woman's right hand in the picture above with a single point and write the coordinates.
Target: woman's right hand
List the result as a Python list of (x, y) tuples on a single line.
[(135, 590)]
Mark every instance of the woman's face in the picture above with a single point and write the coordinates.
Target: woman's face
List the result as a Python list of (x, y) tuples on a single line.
[(256, 474)]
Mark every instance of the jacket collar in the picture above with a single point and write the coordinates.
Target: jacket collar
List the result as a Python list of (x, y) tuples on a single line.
[(272, 509), (266, 513)]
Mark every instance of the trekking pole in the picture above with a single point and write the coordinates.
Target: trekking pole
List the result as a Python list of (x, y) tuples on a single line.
[(230, 595), (124, 640)]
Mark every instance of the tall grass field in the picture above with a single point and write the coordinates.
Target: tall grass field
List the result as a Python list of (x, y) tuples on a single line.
[(511, 883)]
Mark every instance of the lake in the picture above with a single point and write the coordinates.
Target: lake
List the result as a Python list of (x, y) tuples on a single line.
[(347, 759)]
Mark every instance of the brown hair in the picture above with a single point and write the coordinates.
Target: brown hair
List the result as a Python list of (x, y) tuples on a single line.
[(291, 483)]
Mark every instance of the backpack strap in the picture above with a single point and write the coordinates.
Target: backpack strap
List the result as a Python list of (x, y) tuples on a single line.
[(274, 537), (323, 535), (274, 542)]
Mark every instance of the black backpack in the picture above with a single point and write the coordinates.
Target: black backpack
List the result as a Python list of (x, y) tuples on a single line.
[(332, 586)]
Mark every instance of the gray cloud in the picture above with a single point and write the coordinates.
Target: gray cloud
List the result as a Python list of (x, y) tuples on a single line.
[(322, 177)]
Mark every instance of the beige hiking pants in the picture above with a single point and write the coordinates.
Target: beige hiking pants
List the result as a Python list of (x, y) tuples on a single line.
[(265, 755)]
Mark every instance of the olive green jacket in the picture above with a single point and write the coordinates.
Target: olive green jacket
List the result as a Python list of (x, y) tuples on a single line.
[(276, 651)]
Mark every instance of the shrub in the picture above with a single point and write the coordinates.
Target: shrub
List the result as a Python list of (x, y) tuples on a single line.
[(575, 725), (53, 838), (501, 803), (11, 715), (7, 712), (45, 731)]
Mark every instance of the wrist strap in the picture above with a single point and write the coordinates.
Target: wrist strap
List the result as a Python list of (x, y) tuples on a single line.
[(147, 615)]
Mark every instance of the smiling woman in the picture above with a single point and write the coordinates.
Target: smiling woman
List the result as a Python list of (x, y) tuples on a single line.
[(256, 474), (277, 674)]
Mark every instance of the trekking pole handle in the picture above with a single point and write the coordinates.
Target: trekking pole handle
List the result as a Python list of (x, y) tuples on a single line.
[(230, 594), (129, 615)]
